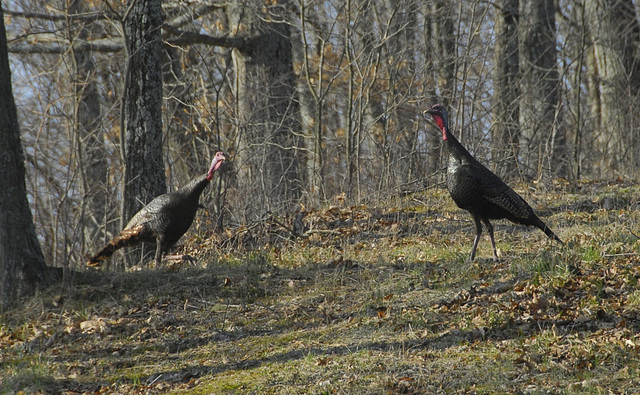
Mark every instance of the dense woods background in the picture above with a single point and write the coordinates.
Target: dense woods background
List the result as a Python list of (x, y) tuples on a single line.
[(309, 99)]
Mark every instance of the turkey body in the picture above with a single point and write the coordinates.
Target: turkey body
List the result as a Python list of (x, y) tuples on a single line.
[(475, 188), (478, 190), (164, 220)]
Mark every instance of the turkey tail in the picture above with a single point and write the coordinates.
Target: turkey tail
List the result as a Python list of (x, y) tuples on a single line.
[(126, 238), (547, 231)]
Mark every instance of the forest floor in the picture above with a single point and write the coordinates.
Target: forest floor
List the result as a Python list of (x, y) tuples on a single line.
[(375, 300)]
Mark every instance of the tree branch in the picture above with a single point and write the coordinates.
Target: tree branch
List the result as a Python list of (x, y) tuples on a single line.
[(45, 44), (189, 17), (104, 45), (187, 38), (88, 17), (180, 20)]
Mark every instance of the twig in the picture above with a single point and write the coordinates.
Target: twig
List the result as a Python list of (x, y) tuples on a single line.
[(621, 254), (321, 231), (272, 219)]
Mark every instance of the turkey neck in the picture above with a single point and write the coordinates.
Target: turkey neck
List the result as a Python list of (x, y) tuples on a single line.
[(194, 189), (457, 154)]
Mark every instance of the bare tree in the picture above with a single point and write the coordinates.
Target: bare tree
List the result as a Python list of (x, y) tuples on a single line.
[(22, 265), (505, 131), (573, 58), (142, 109), (542, 135), (268, 111), (400, 21), (615, 81), (322, 60), (314, 99), (441, 44), (97, 218)]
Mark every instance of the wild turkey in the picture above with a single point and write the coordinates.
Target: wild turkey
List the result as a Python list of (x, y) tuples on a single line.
[(164, 220), (476, 189)]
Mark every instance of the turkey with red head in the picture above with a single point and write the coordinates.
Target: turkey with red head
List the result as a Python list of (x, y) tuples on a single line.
[(479, 191), (164, 220)]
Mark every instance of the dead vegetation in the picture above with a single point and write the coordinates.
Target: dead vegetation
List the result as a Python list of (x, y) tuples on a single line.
[(363, 300)]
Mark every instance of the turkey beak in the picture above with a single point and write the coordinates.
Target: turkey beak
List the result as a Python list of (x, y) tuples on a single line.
[(216, 163), (426, 114), (221, 159)]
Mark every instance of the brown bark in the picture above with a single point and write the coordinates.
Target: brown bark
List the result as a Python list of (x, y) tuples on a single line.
[(92, 152), (542, 143), (505, 131), (268, 157), (614, 81), (22, 265), (443, 58), (142, 111)]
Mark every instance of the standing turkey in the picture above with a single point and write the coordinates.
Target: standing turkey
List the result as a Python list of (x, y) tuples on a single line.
[(164, 220), (478, 190)]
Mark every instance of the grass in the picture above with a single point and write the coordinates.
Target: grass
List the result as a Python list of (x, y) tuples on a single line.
[(375, 300)]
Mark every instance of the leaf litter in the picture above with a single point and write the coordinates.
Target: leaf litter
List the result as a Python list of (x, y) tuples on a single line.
[(366, 300)]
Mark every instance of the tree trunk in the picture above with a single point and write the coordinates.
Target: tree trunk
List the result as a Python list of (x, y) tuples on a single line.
[(615, 81), (142, 112), (92, 152), (505, 132), (268, 110), (22, 265), (543, 143), (370, 124), (403, 28), (311, 89), (443, 44)]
